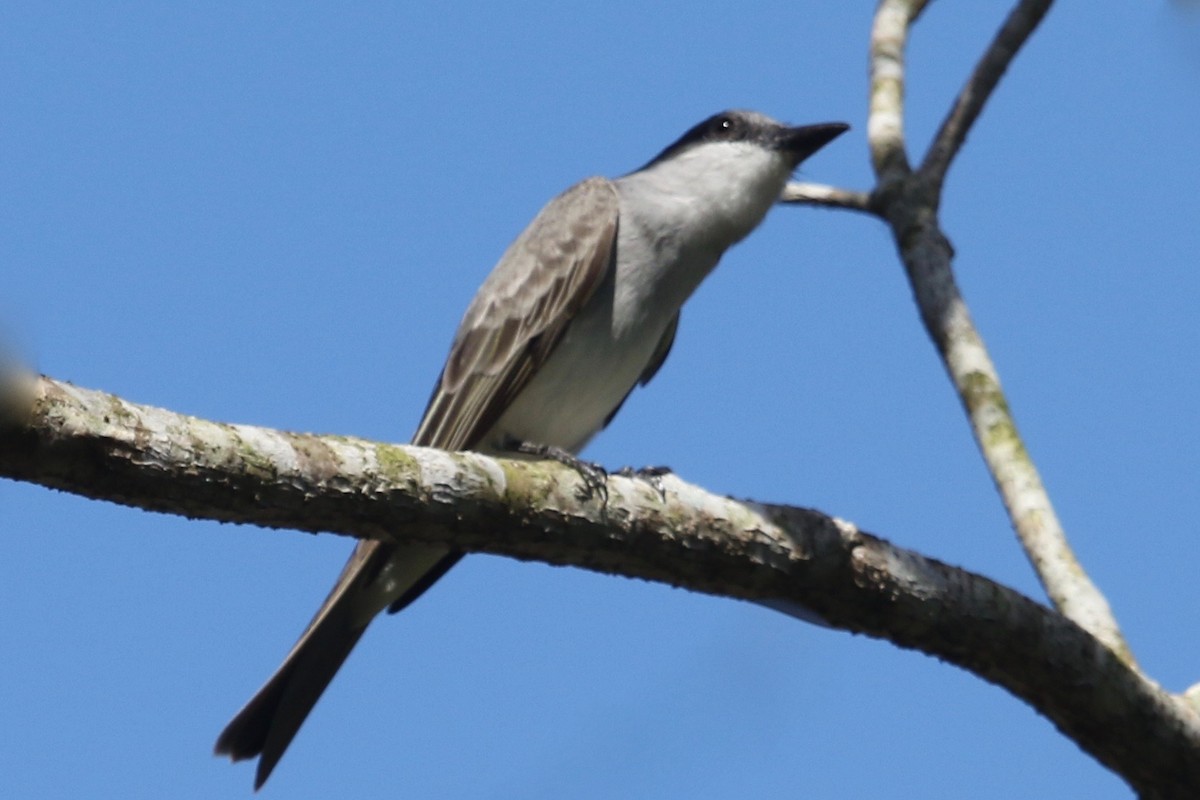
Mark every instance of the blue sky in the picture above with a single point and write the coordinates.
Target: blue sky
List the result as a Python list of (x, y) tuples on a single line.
[(276, 217)]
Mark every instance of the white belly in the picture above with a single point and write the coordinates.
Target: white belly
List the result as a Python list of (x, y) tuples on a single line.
[(586, 377)]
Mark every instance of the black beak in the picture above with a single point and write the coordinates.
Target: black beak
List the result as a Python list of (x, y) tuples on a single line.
[(801, 142)]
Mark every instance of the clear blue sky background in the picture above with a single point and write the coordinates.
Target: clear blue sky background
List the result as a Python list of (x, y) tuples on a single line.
[(276, 215)]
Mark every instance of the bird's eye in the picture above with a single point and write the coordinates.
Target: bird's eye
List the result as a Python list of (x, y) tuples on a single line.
[(724, 127)]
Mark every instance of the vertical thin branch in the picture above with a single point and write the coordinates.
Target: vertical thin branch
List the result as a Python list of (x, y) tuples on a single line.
[(885, 124), (909, 202)]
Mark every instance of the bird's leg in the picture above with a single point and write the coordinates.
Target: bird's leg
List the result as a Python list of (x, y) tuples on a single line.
[(595, 477)]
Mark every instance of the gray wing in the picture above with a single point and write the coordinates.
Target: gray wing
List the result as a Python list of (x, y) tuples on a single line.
[(520, 313)]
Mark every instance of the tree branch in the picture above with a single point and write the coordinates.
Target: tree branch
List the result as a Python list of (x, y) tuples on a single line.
[(885, 122), (1017, 28), (101, 446), (817, 194), (909, 202)]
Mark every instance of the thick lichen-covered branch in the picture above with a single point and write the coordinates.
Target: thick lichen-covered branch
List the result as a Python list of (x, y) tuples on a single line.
[(102, 446)]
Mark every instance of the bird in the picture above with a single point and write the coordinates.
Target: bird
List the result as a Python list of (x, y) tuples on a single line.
[(581, 309)]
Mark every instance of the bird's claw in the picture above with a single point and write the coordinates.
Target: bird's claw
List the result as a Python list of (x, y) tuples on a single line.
[(595, 477)]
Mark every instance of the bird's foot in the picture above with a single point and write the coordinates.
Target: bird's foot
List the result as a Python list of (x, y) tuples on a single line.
[(595, 477)]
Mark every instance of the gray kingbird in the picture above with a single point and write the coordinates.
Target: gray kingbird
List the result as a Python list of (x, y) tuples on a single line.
[(581, 308)]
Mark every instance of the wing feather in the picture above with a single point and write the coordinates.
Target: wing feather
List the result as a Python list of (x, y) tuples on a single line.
[(520, 313)]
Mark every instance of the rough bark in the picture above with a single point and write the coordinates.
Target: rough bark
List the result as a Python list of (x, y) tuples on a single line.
[(798, 560)]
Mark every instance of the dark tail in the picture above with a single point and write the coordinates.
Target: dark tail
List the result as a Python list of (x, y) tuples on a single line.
[(268, 723)]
